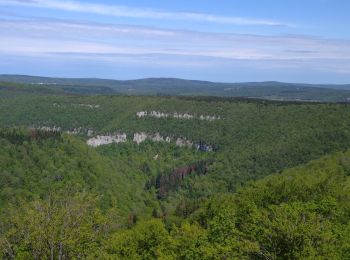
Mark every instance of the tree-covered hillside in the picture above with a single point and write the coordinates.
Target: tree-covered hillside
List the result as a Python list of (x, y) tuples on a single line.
[(251, 138), (171, 86), (35, 163), (143, 177), (302, 213)]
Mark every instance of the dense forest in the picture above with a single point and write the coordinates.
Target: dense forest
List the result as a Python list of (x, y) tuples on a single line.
[(180, 87), (182, 178)]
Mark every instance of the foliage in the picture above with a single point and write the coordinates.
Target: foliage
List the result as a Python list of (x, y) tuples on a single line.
[(59, 227), (254, 197), (303, 213), (180, 87)]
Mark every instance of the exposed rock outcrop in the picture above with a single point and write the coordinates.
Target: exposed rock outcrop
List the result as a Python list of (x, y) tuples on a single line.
[(107, 139), (158, 114), (138, 138), (72, 131), (183, 142), (49, 128)]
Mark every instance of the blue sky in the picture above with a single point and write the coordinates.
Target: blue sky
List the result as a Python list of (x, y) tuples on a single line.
[(227, 40)]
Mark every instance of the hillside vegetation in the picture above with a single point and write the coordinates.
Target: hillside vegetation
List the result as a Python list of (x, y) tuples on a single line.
[(251, 139), (301, 213), (180, 87), (177, 177)]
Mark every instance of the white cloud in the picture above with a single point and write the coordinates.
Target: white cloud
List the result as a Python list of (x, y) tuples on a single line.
[(124, 11), (96, 44), (45, 36)]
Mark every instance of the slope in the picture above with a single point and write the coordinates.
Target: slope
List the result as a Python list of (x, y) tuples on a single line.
[(173, 86), (303, 213)]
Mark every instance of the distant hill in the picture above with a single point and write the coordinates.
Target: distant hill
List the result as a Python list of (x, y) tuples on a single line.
[(172, 86), (172, 177)]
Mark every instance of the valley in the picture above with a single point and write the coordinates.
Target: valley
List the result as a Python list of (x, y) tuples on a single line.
[(206, 172), (174, 130)]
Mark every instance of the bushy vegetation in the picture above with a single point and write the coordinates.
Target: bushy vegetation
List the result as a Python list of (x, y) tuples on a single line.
[(36, 162), (253, 138), (172, 86), (301, 213), (256, 196)]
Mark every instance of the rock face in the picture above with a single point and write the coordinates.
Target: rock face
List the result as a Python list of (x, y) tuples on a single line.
[(209, 118), (158, 114), (183, 116), (141, 114), (138, 138), (157, 138), (204, 147), (141, 137), (49, 128), (183, 142), (122, 138), (90, 132), (107, 139), (72, 131), (80, 130)]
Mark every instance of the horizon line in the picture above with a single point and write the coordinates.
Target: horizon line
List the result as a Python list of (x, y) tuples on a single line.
[(175, 78)]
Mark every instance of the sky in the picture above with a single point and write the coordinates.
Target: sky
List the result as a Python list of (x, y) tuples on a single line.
[(222, 40)]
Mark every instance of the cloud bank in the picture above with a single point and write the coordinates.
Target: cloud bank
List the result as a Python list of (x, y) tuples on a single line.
[(62, 47), (38, 36), (124, 11)]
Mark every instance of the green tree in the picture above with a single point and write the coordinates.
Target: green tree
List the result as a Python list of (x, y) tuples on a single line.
[(59, 227)]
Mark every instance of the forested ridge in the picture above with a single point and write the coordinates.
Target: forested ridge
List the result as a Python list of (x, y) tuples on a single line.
[(274, 186), (180, 87)]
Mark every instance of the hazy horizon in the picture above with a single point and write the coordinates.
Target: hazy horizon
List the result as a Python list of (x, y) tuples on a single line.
[(225, 41), (185, 79)]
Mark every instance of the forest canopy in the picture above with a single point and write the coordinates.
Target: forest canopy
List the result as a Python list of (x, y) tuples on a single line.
[(275, 184)]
